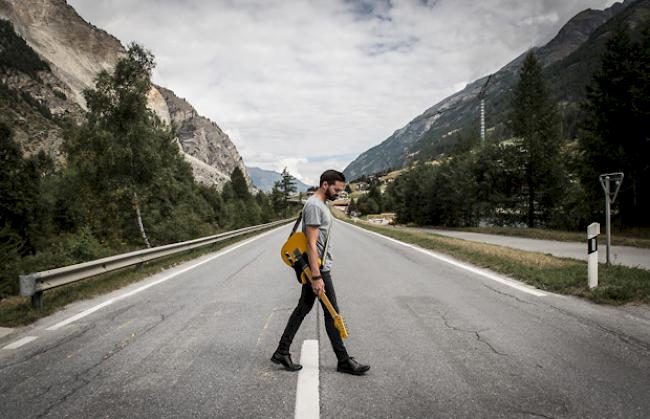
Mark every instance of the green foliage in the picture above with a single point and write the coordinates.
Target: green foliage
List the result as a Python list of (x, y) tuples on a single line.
[(535, 125), (239, 185), (16, 54), (281, 191), (60, 94), (616, 132), (121, 158)]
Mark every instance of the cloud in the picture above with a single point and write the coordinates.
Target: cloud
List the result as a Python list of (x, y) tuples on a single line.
[(294, 81)]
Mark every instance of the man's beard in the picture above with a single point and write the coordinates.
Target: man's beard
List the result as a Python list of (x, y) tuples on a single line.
[(331, 197)]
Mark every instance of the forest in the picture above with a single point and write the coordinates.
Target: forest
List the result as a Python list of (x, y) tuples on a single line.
[(537, 177), (123, 185)]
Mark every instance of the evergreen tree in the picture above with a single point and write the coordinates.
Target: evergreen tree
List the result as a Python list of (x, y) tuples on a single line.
[(617, 133), (278, 200), (239, 185), (535, 125), (287, 183)]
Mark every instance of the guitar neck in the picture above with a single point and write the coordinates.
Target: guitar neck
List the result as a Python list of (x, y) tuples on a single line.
[(323, 296)]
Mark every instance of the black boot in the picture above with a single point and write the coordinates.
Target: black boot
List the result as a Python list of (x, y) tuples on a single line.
[(285, 359), (351, 366)]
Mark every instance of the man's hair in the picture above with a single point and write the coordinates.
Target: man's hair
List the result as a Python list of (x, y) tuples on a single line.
[(331, 176)]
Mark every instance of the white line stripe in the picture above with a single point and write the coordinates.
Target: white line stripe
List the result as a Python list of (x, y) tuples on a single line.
[(151, 284), (20, 342), (307, 399), (521, 287)]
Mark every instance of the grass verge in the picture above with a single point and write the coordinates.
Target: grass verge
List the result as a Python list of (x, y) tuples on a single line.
[(617, 284), (635, 238), (18, 311)]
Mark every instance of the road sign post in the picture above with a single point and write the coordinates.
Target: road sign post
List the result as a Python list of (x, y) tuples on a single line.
[(610, 197), (592, 254)]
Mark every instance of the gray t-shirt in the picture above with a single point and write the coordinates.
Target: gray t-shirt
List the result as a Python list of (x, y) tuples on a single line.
[(316, 213)]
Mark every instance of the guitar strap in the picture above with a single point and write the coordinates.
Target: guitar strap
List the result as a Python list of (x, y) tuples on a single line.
[(295, 225)]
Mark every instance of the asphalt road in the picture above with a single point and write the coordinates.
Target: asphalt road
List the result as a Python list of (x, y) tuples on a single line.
[(636, 257), (443, 341)]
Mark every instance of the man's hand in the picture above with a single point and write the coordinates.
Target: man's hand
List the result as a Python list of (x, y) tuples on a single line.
[(318, 286)]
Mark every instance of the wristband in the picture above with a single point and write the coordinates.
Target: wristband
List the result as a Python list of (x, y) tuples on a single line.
[(316, 277)]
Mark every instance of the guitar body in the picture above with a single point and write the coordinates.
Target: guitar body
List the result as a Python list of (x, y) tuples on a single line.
[(294, 254)]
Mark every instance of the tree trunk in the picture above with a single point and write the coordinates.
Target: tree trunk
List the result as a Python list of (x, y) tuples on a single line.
[(136, 205), (531, 199)]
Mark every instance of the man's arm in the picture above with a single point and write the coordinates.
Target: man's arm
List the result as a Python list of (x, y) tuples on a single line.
[(312, 254)]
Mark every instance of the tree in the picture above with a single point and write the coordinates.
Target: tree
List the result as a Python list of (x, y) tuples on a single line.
[(535, 125), (278, 200), (239, 185), (287, 183), (123, 148), (375, 194), (616, 131)]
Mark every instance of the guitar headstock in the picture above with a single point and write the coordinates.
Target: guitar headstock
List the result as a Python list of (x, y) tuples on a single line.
[(340, 326)]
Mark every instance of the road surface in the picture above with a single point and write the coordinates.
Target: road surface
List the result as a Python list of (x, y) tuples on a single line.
[(443, 340), (637, 257)]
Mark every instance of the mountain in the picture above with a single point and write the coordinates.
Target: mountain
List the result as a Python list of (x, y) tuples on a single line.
[(567, 59), (264, 179), (74, 51)]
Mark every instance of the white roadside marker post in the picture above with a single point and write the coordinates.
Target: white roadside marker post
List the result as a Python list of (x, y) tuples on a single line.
[(593, 230)]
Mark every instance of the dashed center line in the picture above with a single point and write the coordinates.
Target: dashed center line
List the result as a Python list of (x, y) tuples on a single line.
[(307, 397)]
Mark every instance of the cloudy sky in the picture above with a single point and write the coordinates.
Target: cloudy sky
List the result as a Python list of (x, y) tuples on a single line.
[(312, 84)]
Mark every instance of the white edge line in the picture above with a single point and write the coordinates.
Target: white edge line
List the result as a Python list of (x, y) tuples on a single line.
[(307, 398), (20, 342), (488, 275), (156, 282)]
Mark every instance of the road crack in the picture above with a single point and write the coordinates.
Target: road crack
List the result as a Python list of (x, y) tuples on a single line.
[(630, 340), (476, 333), (83, 377)]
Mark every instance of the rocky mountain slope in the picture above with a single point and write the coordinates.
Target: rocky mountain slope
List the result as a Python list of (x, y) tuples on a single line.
[(75, 51), (436, 129)]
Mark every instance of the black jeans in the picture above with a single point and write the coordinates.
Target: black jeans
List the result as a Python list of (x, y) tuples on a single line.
[(305, 303)]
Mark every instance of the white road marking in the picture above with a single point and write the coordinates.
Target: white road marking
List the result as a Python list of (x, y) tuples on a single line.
[(20, 342), (307, 398), (521, 287), (151, 284)]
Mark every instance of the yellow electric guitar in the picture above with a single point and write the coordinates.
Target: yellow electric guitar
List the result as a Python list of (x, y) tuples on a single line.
[(294, 254)]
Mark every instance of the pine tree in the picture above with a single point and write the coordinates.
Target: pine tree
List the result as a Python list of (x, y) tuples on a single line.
[(239, 185), (535, 124), (617, 133), (287, 183)]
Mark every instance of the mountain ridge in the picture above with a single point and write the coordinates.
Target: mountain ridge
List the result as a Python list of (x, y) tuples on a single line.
[(433, 130), (264, 179)]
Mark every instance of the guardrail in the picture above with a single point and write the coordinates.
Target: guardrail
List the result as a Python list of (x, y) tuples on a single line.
[(33, 284)]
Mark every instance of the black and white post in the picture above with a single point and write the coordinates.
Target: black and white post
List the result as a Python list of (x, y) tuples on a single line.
[(592, 254)]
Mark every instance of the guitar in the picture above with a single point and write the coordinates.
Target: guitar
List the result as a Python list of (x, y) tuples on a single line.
[(294, 254)]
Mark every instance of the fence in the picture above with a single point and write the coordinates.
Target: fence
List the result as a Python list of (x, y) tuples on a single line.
[(33, 284)]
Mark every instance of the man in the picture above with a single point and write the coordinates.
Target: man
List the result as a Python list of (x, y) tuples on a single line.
[(316, 220)]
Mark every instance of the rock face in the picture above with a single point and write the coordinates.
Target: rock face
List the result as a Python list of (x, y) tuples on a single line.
[(76, 51), (203, 140), (429, 133)]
